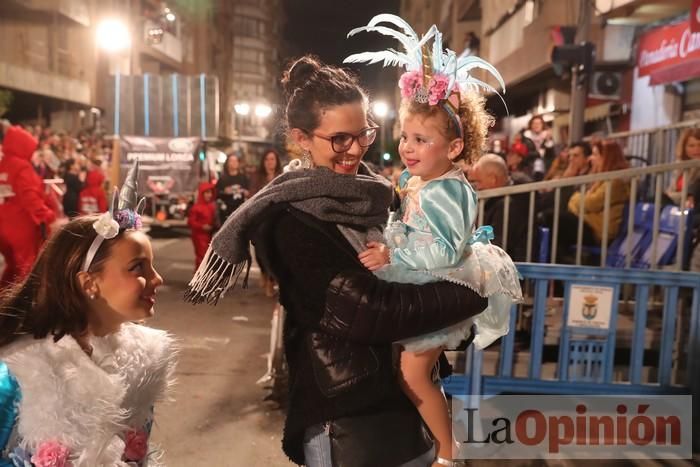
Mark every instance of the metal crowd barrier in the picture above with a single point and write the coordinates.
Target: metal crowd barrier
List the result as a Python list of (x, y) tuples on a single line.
[(656, 174), (594, 342)]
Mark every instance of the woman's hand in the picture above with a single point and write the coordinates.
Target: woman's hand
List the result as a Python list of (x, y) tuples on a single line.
[(375, 256)]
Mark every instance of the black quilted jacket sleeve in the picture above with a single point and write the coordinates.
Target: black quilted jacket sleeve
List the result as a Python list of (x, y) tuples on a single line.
[(330, 290)]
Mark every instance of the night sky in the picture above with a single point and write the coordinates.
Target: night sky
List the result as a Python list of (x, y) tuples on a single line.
[(321, 26)]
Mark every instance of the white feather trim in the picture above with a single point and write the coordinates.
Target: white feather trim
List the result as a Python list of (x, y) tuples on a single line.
[(87, 403)]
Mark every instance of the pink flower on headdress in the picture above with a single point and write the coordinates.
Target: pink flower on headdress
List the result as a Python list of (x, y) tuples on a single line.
[(410, 82), (51, 454), (437, 88), (136, 445)]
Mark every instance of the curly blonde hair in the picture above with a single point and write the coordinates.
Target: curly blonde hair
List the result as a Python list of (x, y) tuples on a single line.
[(476, 122)]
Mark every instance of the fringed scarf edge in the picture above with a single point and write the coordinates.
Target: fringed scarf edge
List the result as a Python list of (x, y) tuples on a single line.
[(214, 277)]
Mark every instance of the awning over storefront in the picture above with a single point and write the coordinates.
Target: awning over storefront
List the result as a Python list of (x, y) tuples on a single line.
[(595, 112), (669, 53)]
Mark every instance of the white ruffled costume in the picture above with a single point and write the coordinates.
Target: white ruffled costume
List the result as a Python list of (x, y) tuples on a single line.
[(432, 238), (87, 403)]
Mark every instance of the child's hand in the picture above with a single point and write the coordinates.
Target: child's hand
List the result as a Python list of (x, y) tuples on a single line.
[(375, 256)]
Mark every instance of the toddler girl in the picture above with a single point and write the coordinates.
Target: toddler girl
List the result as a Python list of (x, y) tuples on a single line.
[(432, 235)]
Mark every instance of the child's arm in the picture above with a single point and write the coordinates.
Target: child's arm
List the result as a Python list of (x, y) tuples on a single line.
[(446, 205), (375, 256)]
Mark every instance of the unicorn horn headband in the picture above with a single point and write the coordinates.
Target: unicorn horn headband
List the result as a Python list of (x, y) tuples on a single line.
[(123, 213), (433, 76)]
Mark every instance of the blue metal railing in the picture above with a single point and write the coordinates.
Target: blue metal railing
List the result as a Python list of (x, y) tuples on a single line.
[(586, 356)]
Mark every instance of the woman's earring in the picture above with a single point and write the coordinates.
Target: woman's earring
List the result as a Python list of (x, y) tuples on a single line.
[(306, 162), (91, 296)]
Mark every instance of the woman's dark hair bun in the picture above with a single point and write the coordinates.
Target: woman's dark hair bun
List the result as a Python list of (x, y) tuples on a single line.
[(299, 73)]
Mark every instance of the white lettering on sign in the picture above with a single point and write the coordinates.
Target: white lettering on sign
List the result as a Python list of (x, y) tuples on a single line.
[(4, 176), (160, 157), (690, 42), (666, 51)]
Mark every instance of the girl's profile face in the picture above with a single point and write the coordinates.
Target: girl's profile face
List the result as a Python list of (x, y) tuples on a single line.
[(126, 285), (424, 150), (692, 148), (350, 119)]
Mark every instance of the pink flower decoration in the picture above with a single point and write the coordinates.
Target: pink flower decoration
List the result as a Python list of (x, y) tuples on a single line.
[(410, 82), (136, 445), (437, 88), (51, 454)]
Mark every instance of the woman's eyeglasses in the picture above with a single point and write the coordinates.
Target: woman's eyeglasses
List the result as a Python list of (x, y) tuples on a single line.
[(341, 142)]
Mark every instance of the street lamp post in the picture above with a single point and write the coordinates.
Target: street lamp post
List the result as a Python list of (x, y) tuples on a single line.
[(112, 36)]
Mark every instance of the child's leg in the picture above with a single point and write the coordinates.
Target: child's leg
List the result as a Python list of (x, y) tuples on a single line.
[(417, 384)]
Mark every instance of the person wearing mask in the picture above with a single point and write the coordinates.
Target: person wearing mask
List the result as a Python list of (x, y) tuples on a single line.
[(231, 188), (25, 212), (202, 221)]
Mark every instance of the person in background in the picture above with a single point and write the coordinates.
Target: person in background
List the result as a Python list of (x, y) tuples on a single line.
[(516, 162), (540, 146), (202, 220), (232, 188), (270, 166), (610, 158), (74, 178), (559, 164), (25, 211), (490, 172), (92, 198), (688, 148), (577, 165)]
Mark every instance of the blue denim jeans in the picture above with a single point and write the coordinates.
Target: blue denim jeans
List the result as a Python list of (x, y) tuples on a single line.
[(317, 450)]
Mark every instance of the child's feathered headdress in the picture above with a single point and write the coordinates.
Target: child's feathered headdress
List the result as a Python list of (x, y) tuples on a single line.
[(433, 75), (124, 213)]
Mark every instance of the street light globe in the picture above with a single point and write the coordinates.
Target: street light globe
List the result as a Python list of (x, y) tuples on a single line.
[(242, 108), (380, 109), (263, 110), (113, 35)]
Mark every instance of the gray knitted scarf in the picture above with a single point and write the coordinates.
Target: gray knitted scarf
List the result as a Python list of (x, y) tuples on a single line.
[(360, 200)]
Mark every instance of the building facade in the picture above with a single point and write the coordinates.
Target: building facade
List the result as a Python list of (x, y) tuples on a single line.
[(517, 36)]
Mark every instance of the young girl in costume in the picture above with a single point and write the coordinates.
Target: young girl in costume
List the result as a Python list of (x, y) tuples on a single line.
[(78, 379), (432, 236)]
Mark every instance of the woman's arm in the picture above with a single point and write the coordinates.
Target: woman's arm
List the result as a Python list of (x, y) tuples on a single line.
[(329, 289)]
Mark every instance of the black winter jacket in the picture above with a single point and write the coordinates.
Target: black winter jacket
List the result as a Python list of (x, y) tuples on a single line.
[(341, 322)]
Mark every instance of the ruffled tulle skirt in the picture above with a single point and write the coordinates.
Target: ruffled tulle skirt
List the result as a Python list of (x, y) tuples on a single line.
[(486, 269)]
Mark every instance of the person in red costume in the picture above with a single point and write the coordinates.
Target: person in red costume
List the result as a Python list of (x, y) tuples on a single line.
[(92, 199), (201, 220), (25, 211)]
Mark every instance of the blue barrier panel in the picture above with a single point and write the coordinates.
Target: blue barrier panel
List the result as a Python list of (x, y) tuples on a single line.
[(589, 340)]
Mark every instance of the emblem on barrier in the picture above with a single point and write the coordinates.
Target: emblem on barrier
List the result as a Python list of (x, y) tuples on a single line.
[(590, 307)]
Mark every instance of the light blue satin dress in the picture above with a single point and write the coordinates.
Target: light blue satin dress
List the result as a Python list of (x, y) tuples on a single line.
[(432, 238)]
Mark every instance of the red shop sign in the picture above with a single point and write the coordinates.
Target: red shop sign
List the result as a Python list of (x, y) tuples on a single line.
[(667, 47)]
